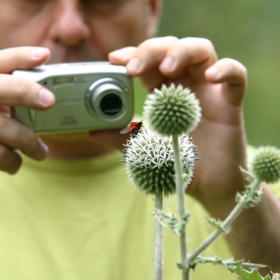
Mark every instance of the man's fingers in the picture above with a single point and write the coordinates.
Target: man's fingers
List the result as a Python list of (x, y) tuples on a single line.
[(144, 60), (15, 91), (22, 58), (189, 55), (17, 136), (145, 56), (122, 56), (112, 138), (233, 75), (167, 59), (10, 160)]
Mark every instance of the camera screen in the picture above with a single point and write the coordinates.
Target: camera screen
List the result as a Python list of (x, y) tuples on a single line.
[(62, 80)]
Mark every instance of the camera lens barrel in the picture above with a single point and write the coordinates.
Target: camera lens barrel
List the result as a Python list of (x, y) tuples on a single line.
[(107, 98)]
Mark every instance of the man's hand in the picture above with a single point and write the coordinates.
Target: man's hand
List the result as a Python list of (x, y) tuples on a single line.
[(220, 86), (14, 91)]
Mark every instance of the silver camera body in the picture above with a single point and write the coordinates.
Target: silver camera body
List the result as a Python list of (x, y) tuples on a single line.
[(89, 96)]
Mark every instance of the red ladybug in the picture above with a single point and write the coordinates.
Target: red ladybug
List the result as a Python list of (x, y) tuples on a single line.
[(134, 127)]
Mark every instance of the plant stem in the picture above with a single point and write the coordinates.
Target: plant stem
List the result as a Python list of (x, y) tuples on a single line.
[(181, 203), (158, 259), (230, 262), (225, 224)]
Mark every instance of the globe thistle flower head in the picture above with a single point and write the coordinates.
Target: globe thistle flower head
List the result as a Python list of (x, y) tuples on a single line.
[(149, 161), (172, 110), (265, 164)]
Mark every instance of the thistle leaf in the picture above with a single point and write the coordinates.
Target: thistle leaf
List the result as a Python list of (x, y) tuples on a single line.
[(217, 224), (230, 264), (174, 223), (248, 275), (249, 176)]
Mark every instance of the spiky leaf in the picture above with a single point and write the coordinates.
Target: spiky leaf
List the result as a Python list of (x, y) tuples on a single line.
[(248, 275)]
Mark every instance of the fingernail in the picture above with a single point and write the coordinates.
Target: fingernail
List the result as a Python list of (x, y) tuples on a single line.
[(38, 52), (119, 54), (43, 151), (168, 63), (134, 65), (46, 97), (213, 71)]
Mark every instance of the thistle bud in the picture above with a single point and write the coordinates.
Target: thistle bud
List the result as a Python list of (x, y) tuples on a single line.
[(149, 160), (172, 110), (265, 164)]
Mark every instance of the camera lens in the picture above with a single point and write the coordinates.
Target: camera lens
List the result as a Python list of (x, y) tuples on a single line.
[(111, 104), (106, 98)]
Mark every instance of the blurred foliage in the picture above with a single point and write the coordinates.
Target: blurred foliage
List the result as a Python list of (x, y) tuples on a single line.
[(248, 32)]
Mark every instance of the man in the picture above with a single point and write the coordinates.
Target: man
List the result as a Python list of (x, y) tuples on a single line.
[(74, 216)]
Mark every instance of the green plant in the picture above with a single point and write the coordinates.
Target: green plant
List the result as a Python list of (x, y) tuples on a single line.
[(155, 157)]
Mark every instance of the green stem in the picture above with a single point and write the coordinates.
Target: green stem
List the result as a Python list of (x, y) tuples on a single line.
[(158, 259), (225, 224), (230, 262), (181, 203)]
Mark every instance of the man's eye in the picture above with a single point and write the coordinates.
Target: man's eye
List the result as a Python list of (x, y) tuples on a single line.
[(105, 2), (32, 1), (27, 8), (105, 6)]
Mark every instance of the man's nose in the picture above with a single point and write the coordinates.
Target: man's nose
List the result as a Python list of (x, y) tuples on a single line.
[(69, 25)]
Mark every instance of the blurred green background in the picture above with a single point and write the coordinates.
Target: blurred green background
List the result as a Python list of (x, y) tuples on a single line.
[(248, 31)]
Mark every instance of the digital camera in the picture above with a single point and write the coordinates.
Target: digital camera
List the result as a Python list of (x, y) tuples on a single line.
[(89, 96)]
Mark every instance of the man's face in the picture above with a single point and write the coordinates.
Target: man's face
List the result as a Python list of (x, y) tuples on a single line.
[(76, 30)]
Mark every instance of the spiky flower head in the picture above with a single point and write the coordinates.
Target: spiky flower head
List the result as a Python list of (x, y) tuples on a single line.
[(172, 110), (265, 164), (149, 161)]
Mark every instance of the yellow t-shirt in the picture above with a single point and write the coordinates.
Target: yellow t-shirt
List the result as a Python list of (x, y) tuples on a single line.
[(82, 220)]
